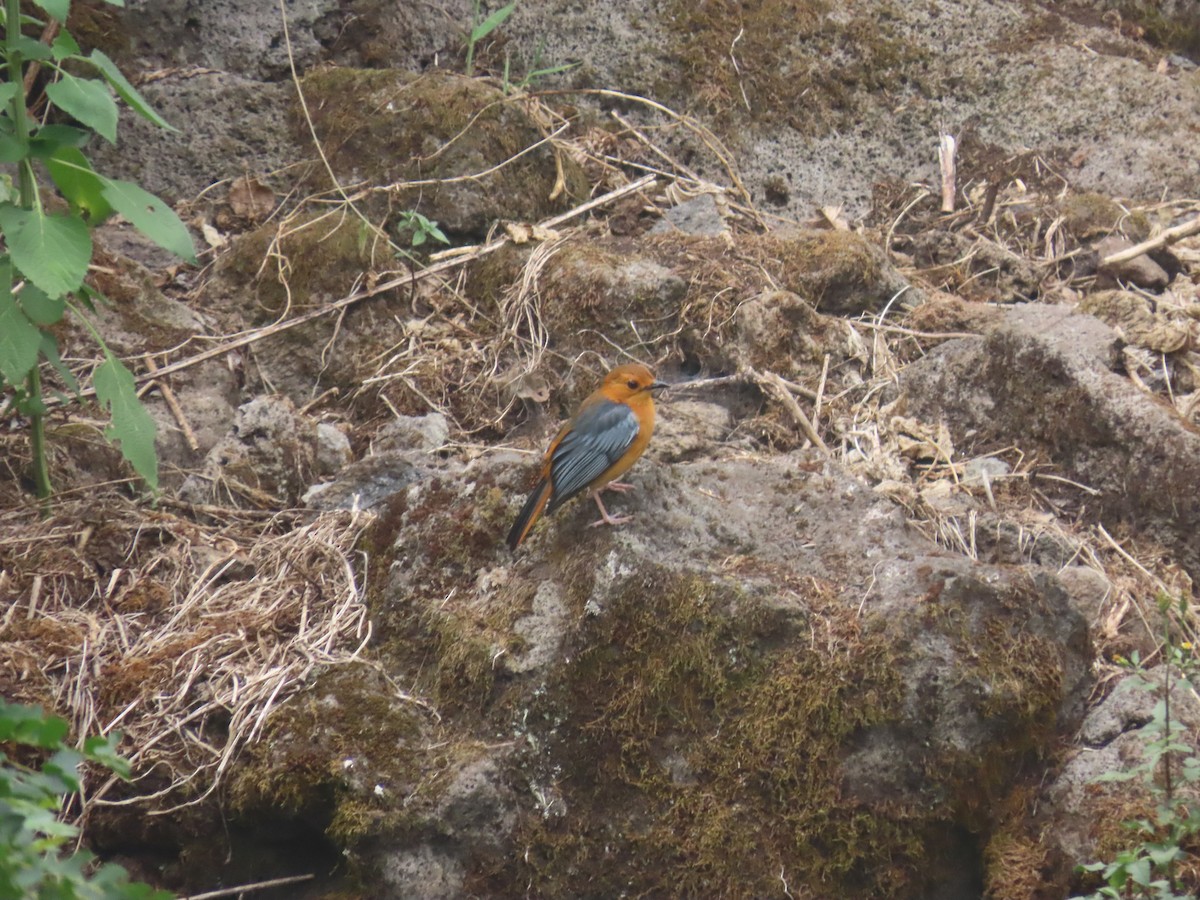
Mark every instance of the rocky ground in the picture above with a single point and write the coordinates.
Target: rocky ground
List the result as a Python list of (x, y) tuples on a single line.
[(924, 471)]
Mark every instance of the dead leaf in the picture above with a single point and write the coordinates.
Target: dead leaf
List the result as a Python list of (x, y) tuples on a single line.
[(212, 237), (251, 199), (517, 233)]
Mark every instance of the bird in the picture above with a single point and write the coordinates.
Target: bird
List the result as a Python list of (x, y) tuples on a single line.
[(595, 447)]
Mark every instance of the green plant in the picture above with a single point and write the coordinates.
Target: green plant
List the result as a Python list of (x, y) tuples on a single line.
[(533, 73), (421, 228), (47, 253), (482, 28), (32, 836), (1170, 769)]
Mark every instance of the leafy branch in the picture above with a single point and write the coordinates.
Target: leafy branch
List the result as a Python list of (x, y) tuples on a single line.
[(47, 254)]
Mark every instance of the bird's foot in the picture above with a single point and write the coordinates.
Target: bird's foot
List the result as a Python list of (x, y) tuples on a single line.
[(605, 518), (611, 520), (619, 486)]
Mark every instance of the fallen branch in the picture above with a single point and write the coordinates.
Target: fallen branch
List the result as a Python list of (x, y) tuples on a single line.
[(172, 402), (246, 888), (1164, 238), (776, 386)]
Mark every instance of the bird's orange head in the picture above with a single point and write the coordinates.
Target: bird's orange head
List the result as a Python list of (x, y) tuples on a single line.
[(626, 382)]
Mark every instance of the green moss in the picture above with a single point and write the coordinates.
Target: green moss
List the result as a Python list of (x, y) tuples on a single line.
[(785, 50), (1091, 215), (1179, 31), (387, 127), (437, 625), (318, 258), (299, 769), (674, 698), (696, 727)]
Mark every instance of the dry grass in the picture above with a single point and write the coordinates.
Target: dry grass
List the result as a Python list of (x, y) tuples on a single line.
[(182, 635)]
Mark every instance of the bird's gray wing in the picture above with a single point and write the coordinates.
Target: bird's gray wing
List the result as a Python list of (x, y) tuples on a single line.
[(599, 436)]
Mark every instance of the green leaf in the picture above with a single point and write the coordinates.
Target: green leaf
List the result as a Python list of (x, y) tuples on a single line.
[(49, 350), (64, 46), (492, 22), (1139, 871), (12, 148), (131, 425), (30, 48), (88, 101), (40, 308), (8, 90), (60, 9), (18, 337), (1162, 855), (83, 188), (50, 138), (150, 216), (51, 251), (104, 751), (127, 91)]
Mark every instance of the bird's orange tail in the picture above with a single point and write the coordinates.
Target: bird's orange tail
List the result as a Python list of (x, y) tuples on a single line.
[(530, 513)]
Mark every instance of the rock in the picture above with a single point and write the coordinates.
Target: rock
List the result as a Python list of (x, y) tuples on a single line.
[(1081, 818), (228, 125), (779, 332), (984, 468), (1088, 588), (399, 456), (244, 38), (267, 458), (1141, 270), (333, 449), (687, 429), (390, 127), (594, 284), (428, 432), (421, 872), (837, 272), (366, 483), (700, 216), (765, 656), (1045, 379)]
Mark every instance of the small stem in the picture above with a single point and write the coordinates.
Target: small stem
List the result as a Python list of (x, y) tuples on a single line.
[(28, 198), (469, 68), (37, 438), (12, 31), (1168, 786)]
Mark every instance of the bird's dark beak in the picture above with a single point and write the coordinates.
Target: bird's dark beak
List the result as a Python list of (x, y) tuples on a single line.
[(658, 386)]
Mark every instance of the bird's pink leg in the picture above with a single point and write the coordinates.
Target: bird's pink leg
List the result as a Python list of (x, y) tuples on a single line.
[(605, 518), (619, 486)]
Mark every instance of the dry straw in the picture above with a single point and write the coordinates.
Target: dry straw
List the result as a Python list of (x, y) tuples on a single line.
[(182, 635)]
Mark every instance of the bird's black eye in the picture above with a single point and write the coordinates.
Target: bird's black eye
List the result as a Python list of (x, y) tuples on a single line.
[(633, 385)]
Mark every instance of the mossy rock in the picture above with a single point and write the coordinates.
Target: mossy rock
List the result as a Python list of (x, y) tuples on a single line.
[(324, 751), (313, 260), (1088, 216), (830, 60), (709, 708), (386, 127)]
